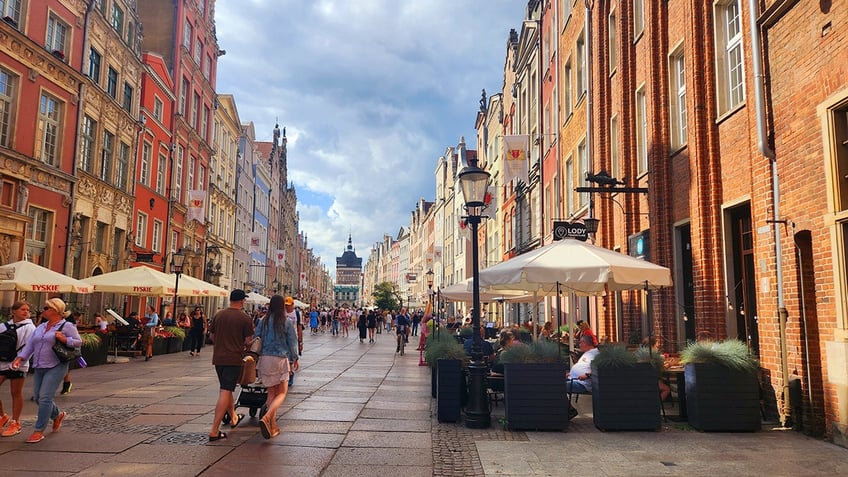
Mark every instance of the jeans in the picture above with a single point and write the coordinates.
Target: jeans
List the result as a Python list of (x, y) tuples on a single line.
[(45, 384), (335, 327)]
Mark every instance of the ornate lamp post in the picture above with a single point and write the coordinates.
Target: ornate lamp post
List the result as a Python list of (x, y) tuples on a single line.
[(474, 183), (429, 276), (177, 262)]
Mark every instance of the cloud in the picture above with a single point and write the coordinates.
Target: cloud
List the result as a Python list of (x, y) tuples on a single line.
[(370, 92)]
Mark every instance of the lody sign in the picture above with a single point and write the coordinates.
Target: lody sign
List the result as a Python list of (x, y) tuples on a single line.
[(575, 230)]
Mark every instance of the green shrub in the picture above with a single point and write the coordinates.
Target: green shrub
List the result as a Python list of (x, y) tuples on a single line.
[(176, 332), (444, 347), (536, 352), (731, 353), (614, 356), (90, 340), (465, 332), (645, 354)]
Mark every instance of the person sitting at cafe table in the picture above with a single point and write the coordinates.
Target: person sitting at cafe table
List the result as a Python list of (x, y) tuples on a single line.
[(580, 380), (507, 340), (584, 330), (487, 349)]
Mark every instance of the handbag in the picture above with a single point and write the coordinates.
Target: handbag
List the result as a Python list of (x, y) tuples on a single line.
[(256, 346), (248, 371), (64, 352)]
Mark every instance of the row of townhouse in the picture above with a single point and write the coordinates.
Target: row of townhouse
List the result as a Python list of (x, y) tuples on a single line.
[(118, 151), (712, 139)]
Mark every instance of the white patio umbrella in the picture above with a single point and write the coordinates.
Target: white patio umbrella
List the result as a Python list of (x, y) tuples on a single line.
[(254, 298), (191, 286), (300, 304), (29, 277), (577, 266), (462, 292), (137, 281)]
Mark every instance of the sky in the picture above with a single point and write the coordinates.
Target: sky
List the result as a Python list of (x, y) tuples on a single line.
[(371, 93)]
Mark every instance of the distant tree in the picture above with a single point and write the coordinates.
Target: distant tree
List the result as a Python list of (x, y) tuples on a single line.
[(386, 295)]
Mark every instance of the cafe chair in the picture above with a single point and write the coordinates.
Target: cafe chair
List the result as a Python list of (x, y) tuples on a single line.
[(495, 388), (574, 396)]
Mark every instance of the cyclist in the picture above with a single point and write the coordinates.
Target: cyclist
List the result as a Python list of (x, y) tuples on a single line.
[(402, 326)]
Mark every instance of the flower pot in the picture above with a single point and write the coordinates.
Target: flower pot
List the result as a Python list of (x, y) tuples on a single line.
[(160, 346), (722, 399), (433, 381), (626, 398), (535, 396), (175, 345), (449, 383)]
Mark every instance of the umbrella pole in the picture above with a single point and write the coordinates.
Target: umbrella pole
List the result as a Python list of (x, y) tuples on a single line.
[(559, 316)]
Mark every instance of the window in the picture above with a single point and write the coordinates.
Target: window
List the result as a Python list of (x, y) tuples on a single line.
[(158, 107), (731, 76), (677, 91), (191, 165), (161, 166), (122, 171), (184, 96), (567, 102), (94, 60), (638, 18), (583, 161), (207, 66), (131, 35), (118, 247), (569, 185), (195, 109), (112, 83), (11, 9), (104, 7), (57, 36), (641, 133), (615, 156), (128, 97), (118, 19), (566, 11), (175, 239), (204, 124), (100, 237), (156, 246), (49, 118), (178, 175), (187, 34), (140, 230), (38, 235), (198, 51), (144, 172), (107, 157), (612, 47), (580, 75), (89, 132), (7, 101)]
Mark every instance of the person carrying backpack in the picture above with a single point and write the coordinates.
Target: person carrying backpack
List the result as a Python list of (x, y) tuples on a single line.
[(14, 336)]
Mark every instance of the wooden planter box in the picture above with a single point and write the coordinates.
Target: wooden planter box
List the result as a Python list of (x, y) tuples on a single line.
[(93, 357), (433, 381), (160, 346), (449, 383), (175, 345), (626, 398), (722, 399), (535, 397)]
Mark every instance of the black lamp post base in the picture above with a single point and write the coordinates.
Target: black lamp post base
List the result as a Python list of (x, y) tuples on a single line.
[(477, 413)]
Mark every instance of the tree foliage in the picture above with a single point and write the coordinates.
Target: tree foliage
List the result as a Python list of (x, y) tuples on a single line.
[(386, 295)]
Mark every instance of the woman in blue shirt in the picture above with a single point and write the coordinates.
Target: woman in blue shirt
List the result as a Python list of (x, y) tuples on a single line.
[(277, 358)]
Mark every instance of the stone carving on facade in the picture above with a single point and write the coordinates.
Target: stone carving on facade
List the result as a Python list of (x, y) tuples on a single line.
[(23, 197), (87, 188), (5, 248)]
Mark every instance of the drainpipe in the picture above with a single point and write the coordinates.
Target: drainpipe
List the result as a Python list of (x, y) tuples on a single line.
[(765, 150)]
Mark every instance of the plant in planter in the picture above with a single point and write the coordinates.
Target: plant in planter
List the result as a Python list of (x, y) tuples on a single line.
[(625, 391), (535, 386), (722, 390), (93, 350), (446, 358), (174, 336)]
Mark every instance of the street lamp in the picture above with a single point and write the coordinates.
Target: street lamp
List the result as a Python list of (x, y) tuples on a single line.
[(276, 285), (177, 261), (429, 276), (474, 183)]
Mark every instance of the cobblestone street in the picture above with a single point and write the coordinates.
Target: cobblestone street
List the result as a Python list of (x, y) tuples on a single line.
[(359, 410)]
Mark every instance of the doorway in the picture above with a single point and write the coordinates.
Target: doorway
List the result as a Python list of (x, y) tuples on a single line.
[(742, 296), (687, 279)]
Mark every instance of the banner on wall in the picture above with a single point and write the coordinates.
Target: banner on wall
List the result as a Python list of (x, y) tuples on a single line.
[(280, 257), (196, 205), (255, 239), (515, 157)]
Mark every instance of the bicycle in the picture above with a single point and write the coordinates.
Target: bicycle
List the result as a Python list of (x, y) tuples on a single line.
[(401, 339)]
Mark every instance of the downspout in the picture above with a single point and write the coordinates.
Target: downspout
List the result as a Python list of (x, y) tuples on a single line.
[(765, 150), (80, 109), (586, 55)]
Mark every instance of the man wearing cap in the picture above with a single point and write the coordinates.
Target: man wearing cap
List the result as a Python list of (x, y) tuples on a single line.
[(294, 315), (231, 332)]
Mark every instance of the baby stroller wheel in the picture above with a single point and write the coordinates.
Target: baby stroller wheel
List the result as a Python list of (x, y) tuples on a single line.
[(252, 412)]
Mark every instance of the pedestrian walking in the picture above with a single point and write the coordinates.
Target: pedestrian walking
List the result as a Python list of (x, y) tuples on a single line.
[(362, 324), (21, 324), (231, 331), (49, 370), (197, 331), (149, 331), (293, 315), (335, 323), (372, 326), (416, 320), (277, 360)]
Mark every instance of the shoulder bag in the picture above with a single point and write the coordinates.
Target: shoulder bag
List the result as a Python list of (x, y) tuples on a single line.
[(64, 352)]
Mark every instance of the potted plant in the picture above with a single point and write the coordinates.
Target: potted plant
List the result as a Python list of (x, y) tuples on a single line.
[(722, 390), (175, 337), (625, 390), (446, 358), (535, 386), (93, 350)]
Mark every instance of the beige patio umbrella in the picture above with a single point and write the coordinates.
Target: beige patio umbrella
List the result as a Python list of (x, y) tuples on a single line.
[(29, 277), (300, 304), (137, 281), (462, 292), (191, 286), (254, 298)]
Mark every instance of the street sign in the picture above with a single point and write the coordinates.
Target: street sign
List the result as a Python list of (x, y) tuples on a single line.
[(144, 257), (575, 230)]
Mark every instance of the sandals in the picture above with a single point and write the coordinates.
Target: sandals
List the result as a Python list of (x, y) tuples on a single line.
[(220, 436), (235, 423), (265, 428)]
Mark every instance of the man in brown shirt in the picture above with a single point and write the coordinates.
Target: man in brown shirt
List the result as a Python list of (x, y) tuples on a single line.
[(231, 332)]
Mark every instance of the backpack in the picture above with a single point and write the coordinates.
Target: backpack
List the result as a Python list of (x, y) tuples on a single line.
[(9, 343)]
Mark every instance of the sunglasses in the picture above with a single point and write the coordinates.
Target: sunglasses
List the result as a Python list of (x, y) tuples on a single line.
[(47, 308)]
